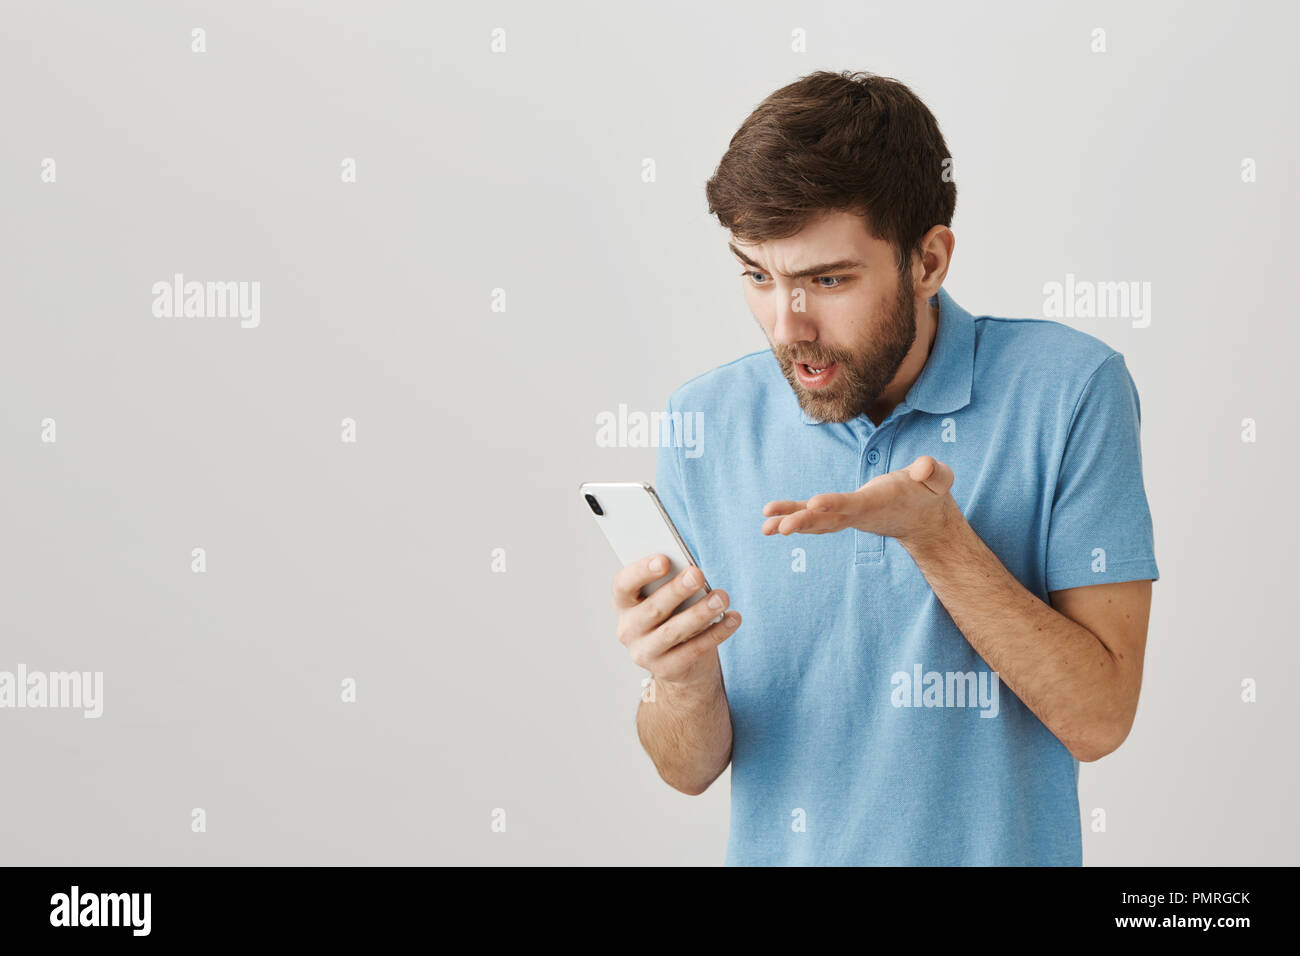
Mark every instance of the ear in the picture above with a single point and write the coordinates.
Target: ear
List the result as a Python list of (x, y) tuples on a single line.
[(936, 254)]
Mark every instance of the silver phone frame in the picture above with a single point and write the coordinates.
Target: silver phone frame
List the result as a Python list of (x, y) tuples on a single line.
[(663, 512)]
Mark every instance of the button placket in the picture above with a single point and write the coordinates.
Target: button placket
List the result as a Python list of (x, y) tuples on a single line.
[(876, 447), (869, 548)]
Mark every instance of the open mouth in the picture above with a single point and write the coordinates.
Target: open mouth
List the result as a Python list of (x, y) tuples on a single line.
[(813, 376)]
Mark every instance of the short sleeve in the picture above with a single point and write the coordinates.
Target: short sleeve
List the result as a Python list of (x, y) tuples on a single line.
[(669, 483), (1100, 530)]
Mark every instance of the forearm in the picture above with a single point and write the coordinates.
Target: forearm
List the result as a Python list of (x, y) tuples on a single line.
[(1056, 667), (686, 730)]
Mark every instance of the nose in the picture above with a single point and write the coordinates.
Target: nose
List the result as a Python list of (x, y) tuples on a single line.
[(793, 325)]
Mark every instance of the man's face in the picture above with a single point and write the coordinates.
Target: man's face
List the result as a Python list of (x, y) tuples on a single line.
[(839, 317)]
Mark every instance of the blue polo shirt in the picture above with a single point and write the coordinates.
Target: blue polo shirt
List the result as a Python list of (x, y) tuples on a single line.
[(866, 729)]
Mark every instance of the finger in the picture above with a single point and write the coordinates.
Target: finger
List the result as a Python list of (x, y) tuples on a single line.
[(836, 502), (814, 522), (690, 651), (808, 522), (657, 607), (686, 624), (631, 578), (777, 524), (781, 507), (933, 474), (780, 524)]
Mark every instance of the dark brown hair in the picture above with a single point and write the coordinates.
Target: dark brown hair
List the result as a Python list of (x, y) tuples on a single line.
[(852, 142)]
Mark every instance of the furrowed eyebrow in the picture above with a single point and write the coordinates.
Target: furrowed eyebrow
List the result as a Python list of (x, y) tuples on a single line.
[(817, 270)]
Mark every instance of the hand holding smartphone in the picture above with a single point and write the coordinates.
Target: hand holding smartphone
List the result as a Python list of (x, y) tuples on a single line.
[(671, 625), (636, 525)]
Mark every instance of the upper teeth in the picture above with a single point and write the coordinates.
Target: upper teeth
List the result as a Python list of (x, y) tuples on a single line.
[(815, 370)]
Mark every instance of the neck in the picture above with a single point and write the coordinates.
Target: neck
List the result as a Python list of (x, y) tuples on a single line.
[(927, 327)]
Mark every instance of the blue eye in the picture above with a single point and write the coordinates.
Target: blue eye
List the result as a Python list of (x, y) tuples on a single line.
[(836, 280)]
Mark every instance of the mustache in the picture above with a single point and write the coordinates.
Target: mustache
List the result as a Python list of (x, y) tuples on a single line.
[(816, 360)]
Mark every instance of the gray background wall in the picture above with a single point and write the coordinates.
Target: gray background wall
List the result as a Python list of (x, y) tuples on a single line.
[(521, 171)]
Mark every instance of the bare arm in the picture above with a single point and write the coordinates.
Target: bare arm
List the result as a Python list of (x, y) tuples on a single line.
[(1077, 666), (686, 730), (683, 722)]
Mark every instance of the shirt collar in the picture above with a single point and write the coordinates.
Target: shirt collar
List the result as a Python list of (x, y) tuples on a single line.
[(944, 384)]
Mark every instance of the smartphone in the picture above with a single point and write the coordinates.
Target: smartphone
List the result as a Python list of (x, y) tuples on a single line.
[(636, 525)]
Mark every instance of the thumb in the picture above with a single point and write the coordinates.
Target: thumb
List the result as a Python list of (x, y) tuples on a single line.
[(934, 474)]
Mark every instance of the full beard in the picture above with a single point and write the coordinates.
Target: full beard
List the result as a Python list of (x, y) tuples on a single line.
[(863, 374)]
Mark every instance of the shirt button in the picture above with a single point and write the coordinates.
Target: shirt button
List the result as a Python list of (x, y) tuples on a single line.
[(873, 456)]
